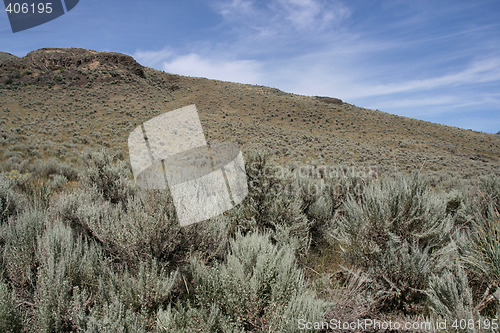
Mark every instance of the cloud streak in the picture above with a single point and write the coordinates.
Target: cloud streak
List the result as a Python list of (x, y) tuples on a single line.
[(487, 70), (281, 17), (247, 71)]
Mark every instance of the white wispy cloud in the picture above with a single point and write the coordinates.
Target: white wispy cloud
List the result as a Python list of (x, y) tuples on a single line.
[(193, 64), (271, 18), (311, 15), (486, 70), (246, 71), (154, 58)]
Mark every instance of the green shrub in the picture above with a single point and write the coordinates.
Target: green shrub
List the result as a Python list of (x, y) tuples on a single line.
[(80, 290), (398, 233), (10, 319), (273, 204), (53, 166), (37, 192), (104, 256), (20, 237), (115, 317), (144, 228), (144, 291), (109, 175), (8, 199), (478, 221), (450, 295), (322, 199), (57, 182), (489, 196), (13, 163), (182, 320), (482, 256), (258, 288), (477, 199), (65, 263)]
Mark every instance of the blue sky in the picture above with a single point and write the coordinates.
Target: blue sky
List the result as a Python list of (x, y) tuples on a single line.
[(432, 60)]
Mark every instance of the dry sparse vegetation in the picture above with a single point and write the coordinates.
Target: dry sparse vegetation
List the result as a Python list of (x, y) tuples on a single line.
[(351, 213)]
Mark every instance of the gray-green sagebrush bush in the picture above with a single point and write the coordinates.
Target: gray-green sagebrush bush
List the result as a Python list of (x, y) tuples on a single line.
[(398, 232), (273, 204), (482, 257), (135, 224), (52, 167), (143, 228), (257, 288), (128, 300), (41, 168), (323, 198), (104, 171), (58, 260), (8, 199), (481, 198), (451, 298), (10, 319), (488, 202), (101, 255), (477, 233), (450, 295), (20, 235), (79, 289), (67, 264)]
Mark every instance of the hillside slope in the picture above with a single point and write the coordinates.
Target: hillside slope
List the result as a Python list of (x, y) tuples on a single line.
[(54, 101)]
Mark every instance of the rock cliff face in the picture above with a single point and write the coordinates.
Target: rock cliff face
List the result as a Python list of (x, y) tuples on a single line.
[(57, 65)]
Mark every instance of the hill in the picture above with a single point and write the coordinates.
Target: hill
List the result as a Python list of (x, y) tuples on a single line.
[(86, 250), (54, 101)]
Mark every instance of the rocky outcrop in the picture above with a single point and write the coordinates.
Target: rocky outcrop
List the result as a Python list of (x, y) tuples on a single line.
[(47, 59), (72, 66)]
